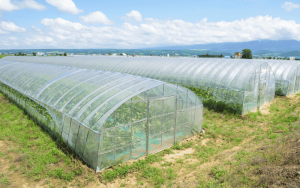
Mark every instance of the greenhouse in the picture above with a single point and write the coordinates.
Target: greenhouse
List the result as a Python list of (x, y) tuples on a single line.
[(105, 117), (287, 76), (241, 85)]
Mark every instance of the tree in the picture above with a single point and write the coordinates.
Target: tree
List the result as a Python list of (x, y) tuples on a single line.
[(221, 55), (33, 53), (65, 54), (247, 54)]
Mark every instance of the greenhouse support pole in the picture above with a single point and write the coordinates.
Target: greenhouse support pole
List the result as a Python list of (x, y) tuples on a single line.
[(175, 119), (147, 137)]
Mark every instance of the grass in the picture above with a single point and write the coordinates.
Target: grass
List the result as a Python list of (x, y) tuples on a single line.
[(37, 154), (4, 182), (232, 153)]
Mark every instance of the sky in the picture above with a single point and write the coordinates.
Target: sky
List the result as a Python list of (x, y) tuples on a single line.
[(132, 24)]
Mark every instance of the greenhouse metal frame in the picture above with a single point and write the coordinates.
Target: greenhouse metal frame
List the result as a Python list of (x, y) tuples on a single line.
[(243, 85), (105, 117)]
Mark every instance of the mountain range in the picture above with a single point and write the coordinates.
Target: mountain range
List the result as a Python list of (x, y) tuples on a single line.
[(231, 47), (283, 48)]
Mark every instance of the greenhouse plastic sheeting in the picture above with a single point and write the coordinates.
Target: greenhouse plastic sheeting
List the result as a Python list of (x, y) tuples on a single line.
[(287, 75), (106, 117), (244, 85)]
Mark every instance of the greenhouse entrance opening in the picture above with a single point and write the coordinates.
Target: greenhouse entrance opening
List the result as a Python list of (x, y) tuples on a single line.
[(161, 121), (261, 94)]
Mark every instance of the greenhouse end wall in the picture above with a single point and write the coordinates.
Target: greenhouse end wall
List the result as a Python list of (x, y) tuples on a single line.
[(158, 124)]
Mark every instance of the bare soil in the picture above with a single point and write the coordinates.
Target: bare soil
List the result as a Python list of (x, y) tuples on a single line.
[(285, 172)]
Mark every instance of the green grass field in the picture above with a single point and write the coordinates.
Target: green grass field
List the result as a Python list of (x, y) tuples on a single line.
[(234, 151)]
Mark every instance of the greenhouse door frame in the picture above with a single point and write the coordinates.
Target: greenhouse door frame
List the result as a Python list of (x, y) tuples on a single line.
[(148, 118), (261, 91)]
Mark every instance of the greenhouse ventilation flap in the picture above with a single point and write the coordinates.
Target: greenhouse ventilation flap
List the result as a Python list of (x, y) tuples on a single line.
[(105, 117), (243, 85)]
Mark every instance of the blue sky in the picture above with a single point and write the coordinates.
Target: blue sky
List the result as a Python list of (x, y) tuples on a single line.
[(138, 24)]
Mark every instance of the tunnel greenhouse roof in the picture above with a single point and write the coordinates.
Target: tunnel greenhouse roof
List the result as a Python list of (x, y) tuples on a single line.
[(88, 96), (224, 73), (284, 69)]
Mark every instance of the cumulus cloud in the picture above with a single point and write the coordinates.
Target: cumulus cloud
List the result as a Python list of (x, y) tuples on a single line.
[(133, 15), (7, 5), (96, 17), (289, 6), (7, 27), (31, 5), (152, 32), (67, 6), (63, 24)]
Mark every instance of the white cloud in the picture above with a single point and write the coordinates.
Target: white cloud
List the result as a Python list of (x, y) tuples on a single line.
[(67, 6), (7, 5), (96, 17), (152, 32), (31, 5), (133, 15), (10, 27), (36, 29), (13, 38), (289, 6), (63, 24)]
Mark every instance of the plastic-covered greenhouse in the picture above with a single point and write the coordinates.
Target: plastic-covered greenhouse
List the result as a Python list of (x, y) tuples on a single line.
[(287, 75), (243, 85), (105, 117)]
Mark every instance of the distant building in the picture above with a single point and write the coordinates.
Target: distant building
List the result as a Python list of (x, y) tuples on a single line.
[(69, 54), (40, 53), (227, 57), (237, 55), (168, 55), (292, 58)]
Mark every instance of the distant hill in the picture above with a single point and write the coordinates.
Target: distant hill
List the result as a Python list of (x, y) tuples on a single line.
[(271, 48), (231, 47), (118, 51), (292, 53)]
